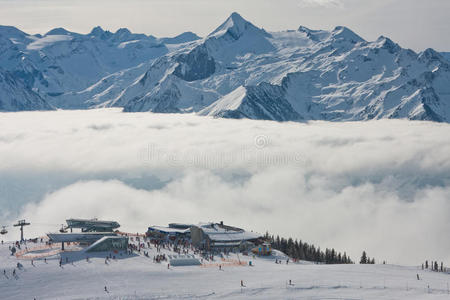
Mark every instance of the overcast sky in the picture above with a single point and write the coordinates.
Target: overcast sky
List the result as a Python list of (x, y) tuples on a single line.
[(416, 24)]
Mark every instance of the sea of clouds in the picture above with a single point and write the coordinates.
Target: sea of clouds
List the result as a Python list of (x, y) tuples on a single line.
[(381, 186)]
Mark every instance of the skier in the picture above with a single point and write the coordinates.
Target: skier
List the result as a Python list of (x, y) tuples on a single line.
[(418, 278)]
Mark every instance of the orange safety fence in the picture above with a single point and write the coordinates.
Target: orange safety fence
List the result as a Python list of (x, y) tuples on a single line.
[(130, 234), (56, 249), (21, 253), (42, 255), (225, 262)]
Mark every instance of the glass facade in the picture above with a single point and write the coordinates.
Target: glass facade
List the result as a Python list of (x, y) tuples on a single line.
[(109, 244)]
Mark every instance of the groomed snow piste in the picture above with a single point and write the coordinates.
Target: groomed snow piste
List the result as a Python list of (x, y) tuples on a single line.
[(138, 277)]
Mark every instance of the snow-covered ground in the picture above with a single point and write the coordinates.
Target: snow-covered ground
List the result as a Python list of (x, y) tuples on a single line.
[(138, 277)]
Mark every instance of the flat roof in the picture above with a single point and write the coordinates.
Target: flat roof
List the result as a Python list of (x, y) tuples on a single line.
[(232, 236), (82, 223), (217, 233), (78, 236), (168, 229)]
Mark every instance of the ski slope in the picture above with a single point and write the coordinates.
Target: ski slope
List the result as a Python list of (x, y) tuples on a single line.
[(138, 277)]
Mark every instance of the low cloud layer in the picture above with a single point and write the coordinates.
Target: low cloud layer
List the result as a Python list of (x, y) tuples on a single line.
[(381, 186)]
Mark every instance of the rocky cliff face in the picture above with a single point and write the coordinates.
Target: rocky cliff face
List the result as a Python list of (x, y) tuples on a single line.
[(16, 96)]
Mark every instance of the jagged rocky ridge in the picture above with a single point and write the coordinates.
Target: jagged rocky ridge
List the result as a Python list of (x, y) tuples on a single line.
[(242, 71)]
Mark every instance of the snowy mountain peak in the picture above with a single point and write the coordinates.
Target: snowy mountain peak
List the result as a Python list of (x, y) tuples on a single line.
[(344, 33), (314, 35), (388, 44), (236, 26), (11, 32), (303, 29), (58, 31), (431, 55), (97, 31), (122, 34), (123, 31), (100, 33), (185, 37)]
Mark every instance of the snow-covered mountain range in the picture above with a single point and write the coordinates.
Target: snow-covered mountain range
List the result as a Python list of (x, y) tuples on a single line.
[(237, 71)]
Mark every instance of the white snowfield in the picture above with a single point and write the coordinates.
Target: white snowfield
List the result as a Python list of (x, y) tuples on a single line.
[(138, 277)]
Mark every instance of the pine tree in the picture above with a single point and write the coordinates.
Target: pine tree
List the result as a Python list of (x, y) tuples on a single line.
[(363, 258)]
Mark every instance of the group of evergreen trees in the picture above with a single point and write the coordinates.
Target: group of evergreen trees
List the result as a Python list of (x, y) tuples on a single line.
[(366, 260), (304, 251)]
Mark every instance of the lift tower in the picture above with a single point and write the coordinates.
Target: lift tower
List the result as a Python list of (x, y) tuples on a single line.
[(21, 223)]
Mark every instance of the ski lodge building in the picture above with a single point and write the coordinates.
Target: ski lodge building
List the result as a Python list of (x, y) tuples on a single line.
[(217, 236), (208, 236), (174, 231)]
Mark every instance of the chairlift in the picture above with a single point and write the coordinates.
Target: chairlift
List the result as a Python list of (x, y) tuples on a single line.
[(3, 231), (63, 230)]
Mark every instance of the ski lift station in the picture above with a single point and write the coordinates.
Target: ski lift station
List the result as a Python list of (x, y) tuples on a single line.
[(96, 234), (174, 231)]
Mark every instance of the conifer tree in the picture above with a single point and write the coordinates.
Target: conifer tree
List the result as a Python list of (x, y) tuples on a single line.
[(363, 258)]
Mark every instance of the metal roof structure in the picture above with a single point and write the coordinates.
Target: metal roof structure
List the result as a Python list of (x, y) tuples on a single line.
[(218, 233), (85, 237), (92, 225), (168, 230)]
